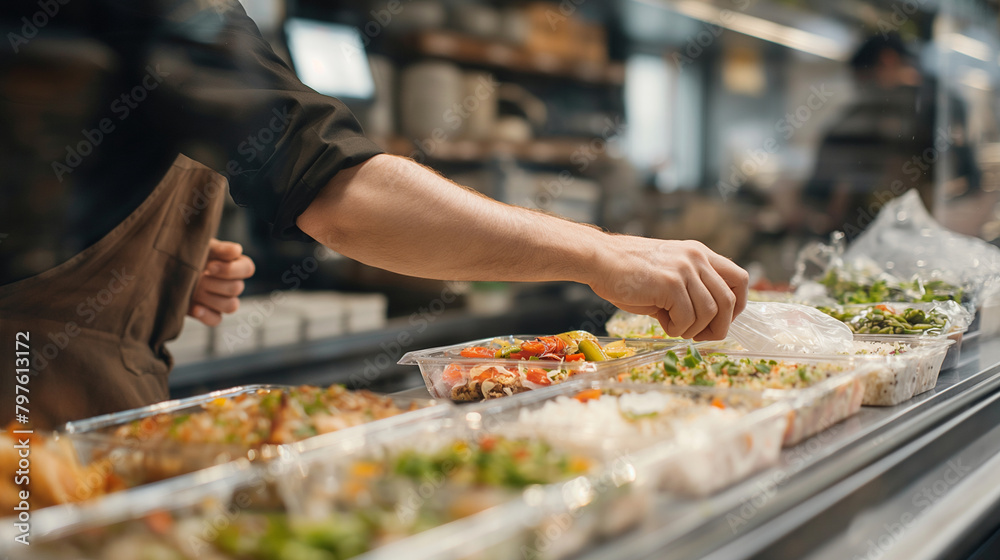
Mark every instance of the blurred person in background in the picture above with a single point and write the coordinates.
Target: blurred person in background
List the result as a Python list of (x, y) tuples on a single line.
[(886, 143), (123, 123)]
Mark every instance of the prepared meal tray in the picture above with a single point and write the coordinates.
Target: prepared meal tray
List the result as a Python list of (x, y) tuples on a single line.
[(441, 488), (901, 367), (917, 321), (462, 466), (499, 367), (255, 421), (693, 440), (821, 391)]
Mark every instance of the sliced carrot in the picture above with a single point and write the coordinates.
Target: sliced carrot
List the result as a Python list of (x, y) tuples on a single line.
[(717, 403), (538, 376), (160, 522), (452, 374), (589, 394), (578, 357), (478, 352)]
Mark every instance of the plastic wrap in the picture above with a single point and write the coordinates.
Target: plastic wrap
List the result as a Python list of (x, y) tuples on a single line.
[(903, 256), (788, 328)]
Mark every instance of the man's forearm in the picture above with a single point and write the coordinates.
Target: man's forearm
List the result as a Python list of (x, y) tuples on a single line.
[(395, 214)]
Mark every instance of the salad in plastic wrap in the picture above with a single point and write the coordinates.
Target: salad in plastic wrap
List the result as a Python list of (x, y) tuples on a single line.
[(904, 256)]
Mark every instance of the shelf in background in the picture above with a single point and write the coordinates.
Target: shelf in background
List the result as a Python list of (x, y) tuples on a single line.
[(495, 54), (551, 151)]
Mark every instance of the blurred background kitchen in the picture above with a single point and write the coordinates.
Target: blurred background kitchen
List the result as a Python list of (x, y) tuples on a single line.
[(754, 126)]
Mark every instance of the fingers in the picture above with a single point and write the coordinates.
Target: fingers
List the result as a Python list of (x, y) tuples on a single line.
[(705, 307), (205, 315), (221, 304), (735, 277), (725, 300), (680, 315), (220, 287), (223, 250), (237, 269)]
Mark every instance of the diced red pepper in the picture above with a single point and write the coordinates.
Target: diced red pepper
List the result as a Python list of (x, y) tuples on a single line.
[(487, 443), (478, 352), (578, 357)]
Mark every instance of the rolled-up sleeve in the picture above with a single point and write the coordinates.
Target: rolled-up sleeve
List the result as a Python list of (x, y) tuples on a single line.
[(280, 142)]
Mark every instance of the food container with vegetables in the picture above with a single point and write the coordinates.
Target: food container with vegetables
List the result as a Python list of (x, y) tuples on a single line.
[(441, 488), (693, 440), (821, 391), (939, 321), (435, 477), (254, 421), (500, 367)]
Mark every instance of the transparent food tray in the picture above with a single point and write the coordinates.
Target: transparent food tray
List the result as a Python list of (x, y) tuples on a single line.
[(143, 461), (447, 374), (814, 408), (692, 458), (899, 377), (953, 339)]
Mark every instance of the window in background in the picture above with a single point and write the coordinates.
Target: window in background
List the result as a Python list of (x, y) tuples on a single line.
[(662, 139)]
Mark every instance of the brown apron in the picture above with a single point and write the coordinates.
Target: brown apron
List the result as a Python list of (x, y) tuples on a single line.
[(98, 322)]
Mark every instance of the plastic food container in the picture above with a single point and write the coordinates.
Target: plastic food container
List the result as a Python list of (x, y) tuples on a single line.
[(447, 374), (900, 377), (143, 461), (691, 440), (956, 324), (814, 408), (89, 530), (599, 498), (952, 341)]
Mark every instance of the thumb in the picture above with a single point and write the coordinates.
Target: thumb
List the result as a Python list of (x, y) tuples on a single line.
[(224, 250)]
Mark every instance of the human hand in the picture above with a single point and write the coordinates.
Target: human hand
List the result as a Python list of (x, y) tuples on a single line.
[(692, 291), (221, 283)]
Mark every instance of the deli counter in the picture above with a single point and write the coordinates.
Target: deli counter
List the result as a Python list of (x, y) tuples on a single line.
[(913, 480)]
